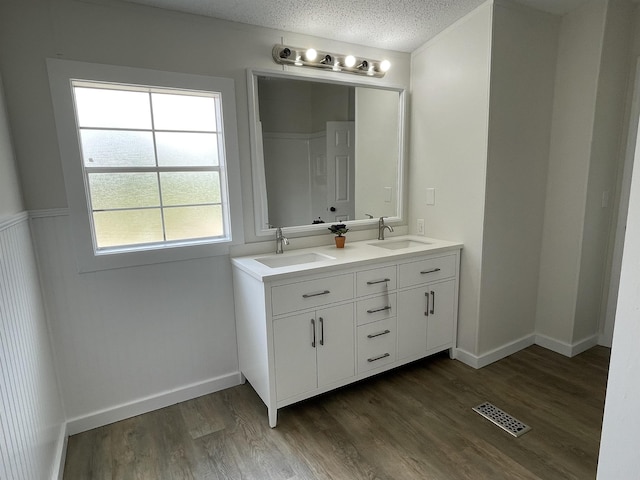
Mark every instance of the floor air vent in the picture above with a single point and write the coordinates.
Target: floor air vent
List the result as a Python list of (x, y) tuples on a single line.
[(502, 419)]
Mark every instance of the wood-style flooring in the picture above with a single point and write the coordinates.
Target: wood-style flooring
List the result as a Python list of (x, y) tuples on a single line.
[(415, 422)]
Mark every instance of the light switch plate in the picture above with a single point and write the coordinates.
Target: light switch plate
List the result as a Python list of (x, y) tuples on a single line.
[(387, 194), (431, 196), (420, 226)]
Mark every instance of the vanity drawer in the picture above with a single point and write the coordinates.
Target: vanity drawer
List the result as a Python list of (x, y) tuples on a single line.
[(377, 280), (311, 293), (376, 344), (377, 308), (427, 270)]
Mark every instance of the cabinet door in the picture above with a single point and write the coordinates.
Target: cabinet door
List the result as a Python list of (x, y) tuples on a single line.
[(336, 344), (412, 322), (294, 343), (440, 321)]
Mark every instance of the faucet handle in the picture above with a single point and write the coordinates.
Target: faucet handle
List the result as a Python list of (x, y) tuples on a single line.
[(369, 215)]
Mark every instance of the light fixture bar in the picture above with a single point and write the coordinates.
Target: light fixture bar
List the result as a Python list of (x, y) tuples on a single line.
[(309, 57)]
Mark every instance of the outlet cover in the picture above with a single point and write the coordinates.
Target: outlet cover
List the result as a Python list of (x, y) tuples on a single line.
[(420, 226)]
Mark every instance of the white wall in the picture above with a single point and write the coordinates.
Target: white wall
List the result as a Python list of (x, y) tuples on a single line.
[(10, 196), (622, 17), (126, 338), (605, 158), (31, 417), (579, 54), (523, 62), (448, 148), (619, 443), (131, 339)]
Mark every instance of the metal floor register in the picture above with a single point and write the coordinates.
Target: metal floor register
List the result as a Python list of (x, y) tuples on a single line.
[(502, 419)]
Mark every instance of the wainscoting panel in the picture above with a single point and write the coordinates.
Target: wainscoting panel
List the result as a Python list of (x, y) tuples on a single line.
[(132, 339), (31, 415)]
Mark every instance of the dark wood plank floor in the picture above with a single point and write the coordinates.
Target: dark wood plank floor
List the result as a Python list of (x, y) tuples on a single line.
[(413, 423)]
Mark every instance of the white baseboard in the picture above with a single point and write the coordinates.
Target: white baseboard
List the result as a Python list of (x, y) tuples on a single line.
[(566, 349), (61, 453), (466, 358), (479, 361), (148, 404)]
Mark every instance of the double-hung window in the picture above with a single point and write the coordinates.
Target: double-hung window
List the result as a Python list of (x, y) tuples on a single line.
[(147, 162)]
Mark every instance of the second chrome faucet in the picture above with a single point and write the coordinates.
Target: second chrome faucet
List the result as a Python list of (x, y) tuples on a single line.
[(280, 240), (382, 227)]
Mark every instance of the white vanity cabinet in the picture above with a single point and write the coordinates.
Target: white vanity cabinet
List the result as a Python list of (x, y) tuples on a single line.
[(306, 330)]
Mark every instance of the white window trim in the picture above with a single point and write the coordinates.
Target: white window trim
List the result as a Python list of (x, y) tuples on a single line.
[(61, 73)]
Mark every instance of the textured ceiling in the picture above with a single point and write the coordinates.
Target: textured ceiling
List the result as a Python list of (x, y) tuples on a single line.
[(401, 25)]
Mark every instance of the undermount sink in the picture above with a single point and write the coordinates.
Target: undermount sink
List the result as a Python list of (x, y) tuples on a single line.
[(278, 261), (399, 244)]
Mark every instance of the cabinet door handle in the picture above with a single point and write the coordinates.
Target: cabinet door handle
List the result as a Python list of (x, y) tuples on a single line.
[(309, 295), (321, 331), (379, 357), (313, 332), (374, 335), (373, 282), (433, 302), (388, 307), (426, 308), (430, 271)]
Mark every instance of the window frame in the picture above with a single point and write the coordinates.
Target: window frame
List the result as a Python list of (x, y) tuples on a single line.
[(62, 73)]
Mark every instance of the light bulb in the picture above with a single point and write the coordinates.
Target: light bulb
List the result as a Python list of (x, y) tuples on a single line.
[(350, 61), (385, 65), (311, 54)]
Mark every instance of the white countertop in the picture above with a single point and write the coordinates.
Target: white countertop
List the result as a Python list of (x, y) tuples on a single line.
[(352, 255)]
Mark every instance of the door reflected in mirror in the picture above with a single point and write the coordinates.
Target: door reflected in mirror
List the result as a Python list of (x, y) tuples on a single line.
[(325, 152)]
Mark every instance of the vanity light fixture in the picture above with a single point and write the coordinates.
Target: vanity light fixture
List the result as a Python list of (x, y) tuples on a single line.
[(310, 57)]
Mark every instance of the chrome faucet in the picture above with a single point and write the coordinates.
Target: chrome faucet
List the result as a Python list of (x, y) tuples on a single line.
[(382, 227), (280, 240)]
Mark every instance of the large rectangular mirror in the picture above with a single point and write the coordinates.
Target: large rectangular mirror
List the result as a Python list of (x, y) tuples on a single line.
[(324, 151)]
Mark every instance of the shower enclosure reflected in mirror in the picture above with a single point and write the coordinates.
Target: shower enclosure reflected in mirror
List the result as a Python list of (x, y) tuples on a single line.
[(324, 151)]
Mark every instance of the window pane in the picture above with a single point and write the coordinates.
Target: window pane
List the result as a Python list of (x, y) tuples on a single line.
[(127, 227), (184, 112), (188, 188), (182, 149), (123, 190), (193, 222), (114, 148), (99, 107)]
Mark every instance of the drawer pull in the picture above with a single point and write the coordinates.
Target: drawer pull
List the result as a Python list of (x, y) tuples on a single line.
[(309, 295), (430, 271), (388, 307), (379, 281), (379, 357), (374, 335)]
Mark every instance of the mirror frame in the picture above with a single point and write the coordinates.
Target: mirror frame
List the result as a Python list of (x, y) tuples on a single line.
[(260, 205)]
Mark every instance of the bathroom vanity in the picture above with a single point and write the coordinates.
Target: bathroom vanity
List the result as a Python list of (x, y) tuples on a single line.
[(315, 319)]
